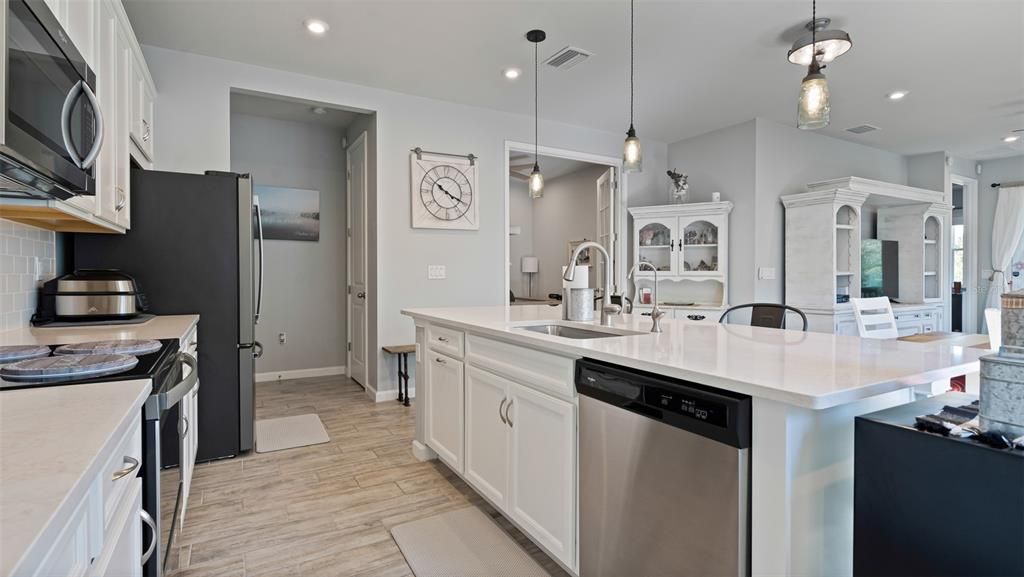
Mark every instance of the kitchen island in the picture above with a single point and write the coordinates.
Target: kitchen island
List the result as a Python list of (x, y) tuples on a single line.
[(806, 389)]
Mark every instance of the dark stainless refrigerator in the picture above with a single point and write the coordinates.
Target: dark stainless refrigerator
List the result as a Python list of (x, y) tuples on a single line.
[(195, 247)]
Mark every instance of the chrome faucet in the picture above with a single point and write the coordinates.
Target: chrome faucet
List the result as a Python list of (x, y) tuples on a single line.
[(656, 313), (607, 308)]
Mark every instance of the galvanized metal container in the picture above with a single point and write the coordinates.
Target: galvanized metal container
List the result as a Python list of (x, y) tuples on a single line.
[(579, 306)]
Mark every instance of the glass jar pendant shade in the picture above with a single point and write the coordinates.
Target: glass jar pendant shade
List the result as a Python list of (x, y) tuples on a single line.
[(813, 106), (632, 158), (536, 182)]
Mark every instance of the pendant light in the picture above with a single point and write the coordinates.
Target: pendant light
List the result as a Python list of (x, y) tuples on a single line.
[(536, 178), (632, 160), (813, 106)]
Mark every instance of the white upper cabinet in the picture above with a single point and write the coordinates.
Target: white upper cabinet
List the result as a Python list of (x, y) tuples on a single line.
[(102, 33)]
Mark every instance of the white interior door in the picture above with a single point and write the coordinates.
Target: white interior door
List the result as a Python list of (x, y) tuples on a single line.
[(606, 219), (356, 161)]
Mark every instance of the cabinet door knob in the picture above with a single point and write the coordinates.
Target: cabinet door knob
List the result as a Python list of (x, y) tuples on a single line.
[(500, 407), (442, 339), (440, 361)]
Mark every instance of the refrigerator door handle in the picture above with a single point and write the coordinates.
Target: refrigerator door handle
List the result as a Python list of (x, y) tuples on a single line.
[(259, 237)]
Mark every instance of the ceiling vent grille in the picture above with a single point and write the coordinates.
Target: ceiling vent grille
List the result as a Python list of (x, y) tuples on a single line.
[(863, 128), (567, 58)]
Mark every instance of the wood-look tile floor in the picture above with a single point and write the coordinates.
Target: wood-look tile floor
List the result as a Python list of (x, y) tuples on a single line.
[(325, 509)]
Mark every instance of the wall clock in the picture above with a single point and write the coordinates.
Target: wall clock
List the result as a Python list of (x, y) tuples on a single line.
[(444, 192)]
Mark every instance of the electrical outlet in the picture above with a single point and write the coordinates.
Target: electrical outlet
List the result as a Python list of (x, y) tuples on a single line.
[(282, 338), (766, 273), (437, 272)]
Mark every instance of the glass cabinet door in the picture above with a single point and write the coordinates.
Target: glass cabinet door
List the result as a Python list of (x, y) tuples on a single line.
[(698, 248), (656, 245)]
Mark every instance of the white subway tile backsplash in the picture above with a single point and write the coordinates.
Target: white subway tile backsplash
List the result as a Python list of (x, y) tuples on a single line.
[(20, 247)]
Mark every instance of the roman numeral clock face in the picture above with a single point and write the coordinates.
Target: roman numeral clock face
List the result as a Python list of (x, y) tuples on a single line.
[(447, 193)]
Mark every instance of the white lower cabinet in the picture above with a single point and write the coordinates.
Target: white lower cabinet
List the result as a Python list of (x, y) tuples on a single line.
[(497, 420), (542, 494), (445, 408), (488, 435), (521, 455), (122, 556)]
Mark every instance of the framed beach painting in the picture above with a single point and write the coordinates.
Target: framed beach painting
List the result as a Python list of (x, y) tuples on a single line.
[(289, 213)]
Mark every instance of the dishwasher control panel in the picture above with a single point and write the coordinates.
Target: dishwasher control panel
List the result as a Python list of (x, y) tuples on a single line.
[(715, 413), (686, 405)]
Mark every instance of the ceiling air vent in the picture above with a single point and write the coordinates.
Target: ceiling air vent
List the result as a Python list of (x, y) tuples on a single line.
[(862, 129), (567, 58)]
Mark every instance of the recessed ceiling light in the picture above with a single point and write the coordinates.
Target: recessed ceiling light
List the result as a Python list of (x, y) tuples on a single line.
[(317, 27), (511, 73), (1010, 138), (318, 110), (898, 95)]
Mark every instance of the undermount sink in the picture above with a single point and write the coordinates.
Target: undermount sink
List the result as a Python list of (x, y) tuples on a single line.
[(571, 332)]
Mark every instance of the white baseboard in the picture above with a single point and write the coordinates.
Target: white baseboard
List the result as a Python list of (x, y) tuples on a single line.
[(422, 452), (300, 374), (392, 395)]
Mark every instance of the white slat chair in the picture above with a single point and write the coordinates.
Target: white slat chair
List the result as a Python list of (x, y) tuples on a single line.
[(875, 319), (994, 320)]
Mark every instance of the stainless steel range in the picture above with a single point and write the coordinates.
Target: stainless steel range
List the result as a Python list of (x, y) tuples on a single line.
[(164, 364)]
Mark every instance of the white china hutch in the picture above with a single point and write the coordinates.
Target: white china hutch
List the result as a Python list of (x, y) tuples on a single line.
[(689, 245), (824, 230)]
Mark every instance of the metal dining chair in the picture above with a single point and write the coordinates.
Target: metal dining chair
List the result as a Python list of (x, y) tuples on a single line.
[(768, 315)]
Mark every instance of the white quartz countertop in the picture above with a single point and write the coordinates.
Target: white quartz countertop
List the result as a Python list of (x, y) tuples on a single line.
[(51, 439), (159, 327), (812, 370)]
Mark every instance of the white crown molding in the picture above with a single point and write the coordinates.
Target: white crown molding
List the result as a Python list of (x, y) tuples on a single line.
[(685, 209)]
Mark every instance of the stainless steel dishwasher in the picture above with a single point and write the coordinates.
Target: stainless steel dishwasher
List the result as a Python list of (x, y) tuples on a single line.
[(664, 475)]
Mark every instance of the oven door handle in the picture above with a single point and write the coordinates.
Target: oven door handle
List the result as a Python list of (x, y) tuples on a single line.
[(147, 519), (65, 122), (158, 403)]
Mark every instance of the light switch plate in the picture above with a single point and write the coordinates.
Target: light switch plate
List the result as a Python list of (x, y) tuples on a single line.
[(437, 272), (766, 273)]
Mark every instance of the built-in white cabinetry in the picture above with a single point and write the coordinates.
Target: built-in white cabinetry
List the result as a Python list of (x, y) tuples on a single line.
[(488, 435), (445, 405), (689, 245), (104, 534), (824, 230), (143, 96), (504, 418), (543, 469), (102, 33)]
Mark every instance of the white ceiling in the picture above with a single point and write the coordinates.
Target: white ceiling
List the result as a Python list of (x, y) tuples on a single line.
[(552, 167), (288, 109), (701, 65)]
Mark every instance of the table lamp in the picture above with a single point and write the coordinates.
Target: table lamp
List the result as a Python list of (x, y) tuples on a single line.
[(530, 266)]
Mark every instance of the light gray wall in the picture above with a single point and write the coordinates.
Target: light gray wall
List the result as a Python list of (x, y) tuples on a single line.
[(193, 135), (787, 160), (930, 171), (1002, 170), (520, 213), (723, 161), (305, 281), (566, 212)]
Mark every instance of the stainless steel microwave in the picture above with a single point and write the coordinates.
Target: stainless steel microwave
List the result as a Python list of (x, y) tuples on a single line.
[(53, 126)]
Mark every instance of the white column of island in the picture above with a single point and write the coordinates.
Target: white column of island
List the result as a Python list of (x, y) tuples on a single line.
[(806, 389)]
